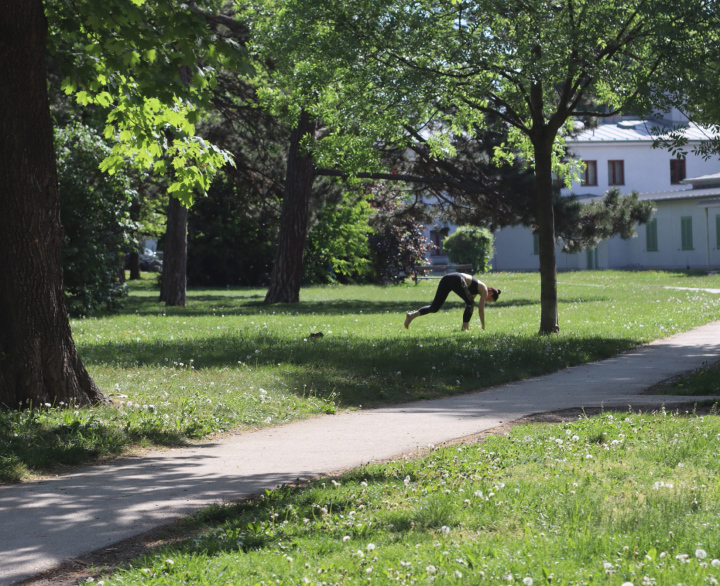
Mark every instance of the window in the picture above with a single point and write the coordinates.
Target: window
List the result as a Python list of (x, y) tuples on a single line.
[(677, 171), (591, 256), (436, 237), (616, 172), (536, 243), (686, 233), (590, 173), (651, 236)]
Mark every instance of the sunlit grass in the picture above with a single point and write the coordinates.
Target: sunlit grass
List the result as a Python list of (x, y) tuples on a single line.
[(612, 499), (229, 362)]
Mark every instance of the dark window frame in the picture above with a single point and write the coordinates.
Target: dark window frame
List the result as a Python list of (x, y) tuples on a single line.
[(613, 166), (590, 179), (677, 171)]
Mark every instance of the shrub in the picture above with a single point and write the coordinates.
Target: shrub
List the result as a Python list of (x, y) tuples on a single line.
[(470, 245), (95, 214), (337, 246), (398, 244), (230, 242)]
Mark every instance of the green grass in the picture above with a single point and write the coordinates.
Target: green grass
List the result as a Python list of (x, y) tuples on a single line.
[(703, 381), (609, 499), (228, 362)]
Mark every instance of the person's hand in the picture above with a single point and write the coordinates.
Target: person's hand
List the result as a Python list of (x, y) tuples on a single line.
[(465, 326)]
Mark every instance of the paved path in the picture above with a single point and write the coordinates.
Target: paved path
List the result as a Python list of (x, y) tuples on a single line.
[(45, 523)]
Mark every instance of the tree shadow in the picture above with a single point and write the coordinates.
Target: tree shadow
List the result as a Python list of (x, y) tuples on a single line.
[(214, 305), (357, 371)]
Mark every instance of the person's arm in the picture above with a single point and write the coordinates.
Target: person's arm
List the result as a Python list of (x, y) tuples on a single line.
[(481, 306)]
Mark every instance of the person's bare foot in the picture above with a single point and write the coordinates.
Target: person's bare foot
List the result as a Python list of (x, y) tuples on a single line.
[(408, 319)]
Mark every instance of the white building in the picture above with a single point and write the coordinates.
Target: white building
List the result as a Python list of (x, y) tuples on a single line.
[(685, 229)]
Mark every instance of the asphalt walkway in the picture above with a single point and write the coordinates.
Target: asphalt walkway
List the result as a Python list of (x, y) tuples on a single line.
[(48, 522)]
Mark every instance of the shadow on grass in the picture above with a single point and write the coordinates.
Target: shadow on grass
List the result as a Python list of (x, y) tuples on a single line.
[(211, 305), (369, 372)]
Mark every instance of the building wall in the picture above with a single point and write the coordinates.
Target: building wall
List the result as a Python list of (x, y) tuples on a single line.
[(646, 169), (514, 251)]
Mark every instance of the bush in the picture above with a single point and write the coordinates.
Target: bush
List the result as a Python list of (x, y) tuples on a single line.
[(95, 214), (337, 247), (470, 245), (398, 244), (229, 241)]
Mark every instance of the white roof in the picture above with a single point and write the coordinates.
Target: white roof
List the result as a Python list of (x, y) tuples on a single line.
[(703, 180), (710, 192), (632, 131)]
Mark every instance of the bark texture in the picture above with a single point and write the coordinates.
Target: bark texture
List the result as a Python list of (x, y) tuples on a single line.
[(546, 237), (174, 275), (286, 276), (38, 360)]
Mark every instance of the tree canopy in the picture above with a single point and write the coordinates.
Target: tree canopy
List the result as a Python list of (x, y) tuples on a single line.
[(440, 69)]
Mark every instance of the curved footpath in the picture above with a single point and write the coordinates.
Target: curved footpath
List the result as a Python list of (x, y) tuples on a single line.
[(48, 522)]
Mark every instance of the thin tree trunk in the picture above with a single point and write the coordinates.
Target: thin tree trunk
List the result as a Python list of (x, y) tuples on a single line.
[(287, 269), (38, 359), (134, 260), (174, 275), (546, 237)]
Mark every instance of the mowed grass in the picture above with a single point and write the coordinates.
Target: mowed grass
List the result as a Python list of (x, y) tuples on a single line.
[(228, 362), (619, 498)]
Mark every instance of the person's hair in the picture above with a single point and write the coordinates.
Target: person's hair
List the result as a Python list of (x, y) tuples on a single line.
[(494, 293)]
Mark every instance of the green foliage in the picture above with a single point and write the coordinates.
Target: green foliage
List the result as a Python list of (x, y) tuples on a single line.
[(470, 245), (230, 239), (151, 66), (584, 225), (398, 243), (337, 247), (95, 213)]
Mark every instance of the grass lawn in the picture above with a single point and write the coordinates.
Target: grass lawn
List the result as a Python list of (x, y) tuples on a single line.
[(228, 362), (619, 498)]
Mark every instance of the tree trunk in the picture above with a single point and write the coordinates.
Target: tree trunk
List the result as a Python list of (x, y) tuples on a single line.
[(38, 360), (134, 260), (134, 263), (546, 236), (174, 274), (287, 270)]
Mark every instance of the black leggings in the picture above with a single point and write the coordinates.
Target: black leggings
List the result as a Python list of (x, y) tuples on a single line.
[(456, 283)]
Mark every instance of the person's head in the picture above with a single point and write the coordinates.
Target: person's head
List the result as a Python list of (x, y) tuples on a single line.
[(493, 294)]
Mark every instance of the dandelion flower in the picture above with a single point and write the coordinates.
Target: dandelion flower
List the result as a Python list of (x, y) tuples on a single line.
[(445, 529), (346, 538), (715, 563), (370, 546), (458, 574), (701, 554), (528, 581)]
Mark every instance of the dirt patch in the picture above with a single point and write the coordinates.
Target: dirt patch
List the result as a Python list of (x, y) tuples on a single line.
[(108, 559)]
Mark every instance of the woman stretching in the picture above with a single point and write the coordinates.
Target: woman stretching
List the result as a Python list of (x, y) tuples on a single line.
[(467, 287)]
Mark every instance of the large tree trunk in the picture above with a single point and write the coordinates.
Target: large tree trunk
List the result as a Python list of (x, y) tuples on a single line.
[(174, 275), (38, 360), (546, 236), (287, 270)]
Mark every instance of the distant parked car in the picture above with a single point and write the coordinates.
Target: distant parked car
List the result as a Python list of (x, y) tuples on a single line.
[(149, 262)]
